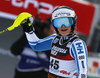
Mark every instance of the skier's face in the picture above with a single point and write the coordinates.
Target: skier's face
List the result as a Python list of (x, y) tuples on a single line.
[(64, 31)]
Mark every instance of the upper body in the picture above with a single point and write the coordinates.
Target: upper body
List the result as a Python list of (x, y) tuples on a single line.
[(68, 57)]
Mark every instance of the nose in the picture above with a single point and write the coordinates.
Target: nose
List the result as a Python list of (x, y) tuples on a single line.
[(63, 26)]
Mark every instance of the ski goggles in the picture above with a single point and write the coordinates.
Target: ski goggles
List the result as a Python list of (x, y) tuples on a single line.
[(58, 22)]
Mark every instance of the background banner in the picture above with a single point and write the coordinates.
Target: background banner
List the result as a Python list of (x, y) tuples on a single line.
[(94, 67), (83, 9)]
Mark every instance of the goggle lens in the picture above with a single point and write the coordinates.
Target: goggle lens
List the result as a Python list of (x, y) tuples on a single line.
[(67, 21)]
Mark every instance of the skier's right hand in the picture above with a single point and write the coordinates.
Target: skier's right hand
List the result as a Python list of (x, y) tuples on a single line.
[(27, 25)]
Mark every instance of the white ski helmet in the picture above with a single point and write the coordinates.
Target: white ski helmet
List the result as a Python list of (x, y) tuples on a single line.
[(64, 11)]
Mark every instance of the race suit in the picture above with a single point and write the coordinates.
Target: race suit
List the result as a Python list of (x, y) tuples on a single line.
[(68, 57)]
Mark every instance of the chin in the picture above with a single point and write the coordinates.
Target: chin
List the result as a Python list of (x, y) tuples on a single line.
[(64, 34)]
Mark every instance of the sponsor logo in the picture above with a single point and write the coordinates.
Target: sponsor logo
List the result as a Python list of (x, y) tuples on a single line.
[(83, 76), (64, 72), (75, 74), (47, 8), (63, 14), (79, 48), (55, 50), (56, 40), (81, 57)]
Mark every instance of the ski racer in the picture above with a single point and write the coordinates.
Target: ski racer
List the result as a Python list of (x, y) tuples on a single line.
[(68, 57)]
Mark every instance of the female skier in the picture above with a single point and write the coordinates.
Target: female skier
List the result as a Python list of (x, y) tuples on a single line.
[(68, 57)]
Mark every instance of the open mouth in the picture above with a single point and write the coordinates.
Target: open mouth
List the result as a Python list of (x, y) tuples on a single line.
[(63, 29)]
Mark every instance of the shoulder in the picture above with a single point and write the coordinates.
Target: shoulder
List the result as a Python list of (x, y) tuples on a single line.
[(78, 44), (51, 36), (78, 41)]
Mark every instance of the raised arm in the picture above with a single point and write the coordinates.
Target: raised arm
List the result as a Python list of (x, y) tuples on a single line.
[(39, 44), (36, 43)]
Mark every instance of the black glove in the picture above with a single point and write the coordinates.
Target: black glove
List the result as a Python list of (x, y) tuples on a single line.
[(27, 25)]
